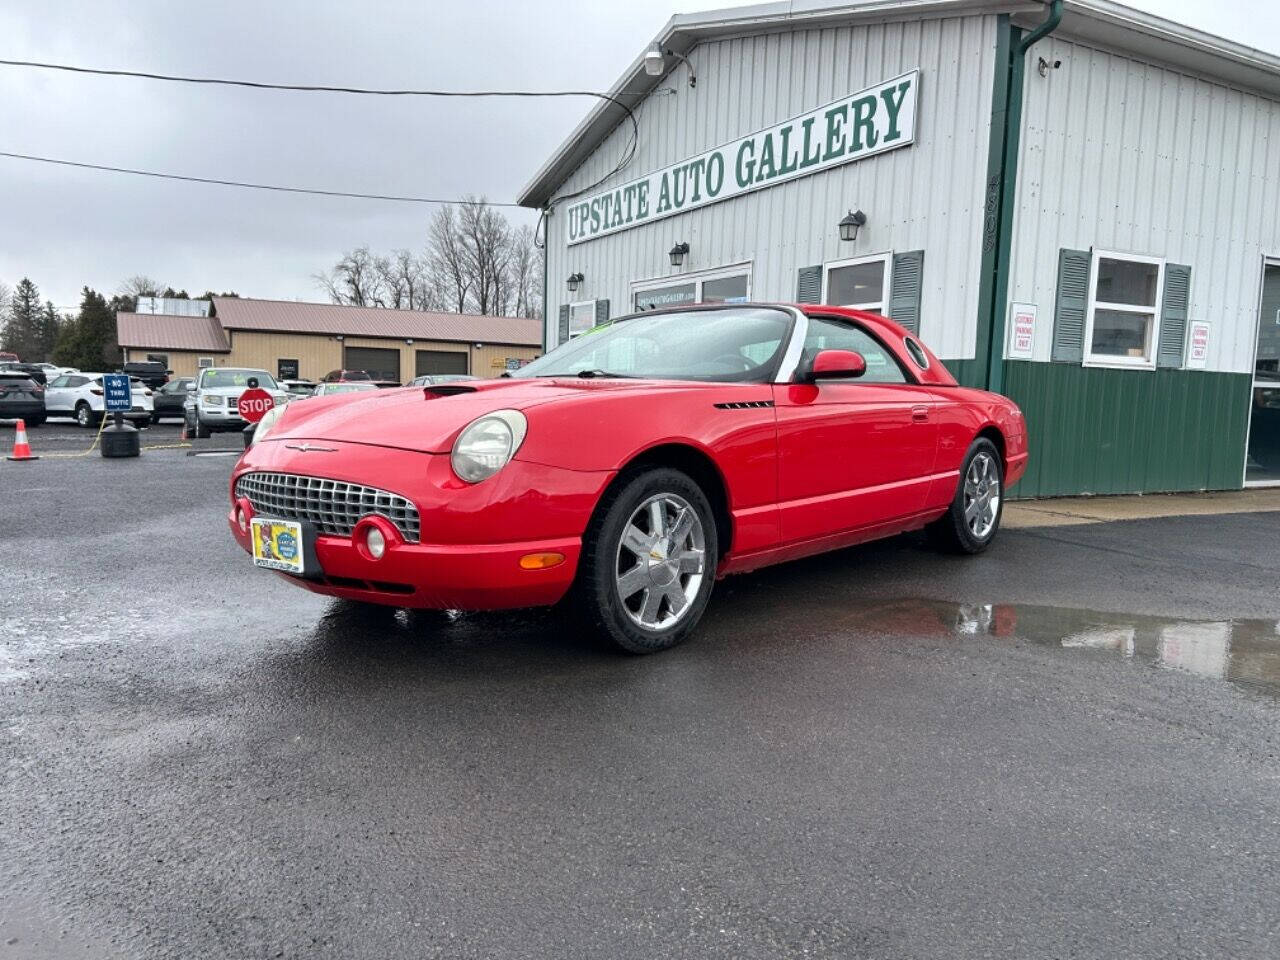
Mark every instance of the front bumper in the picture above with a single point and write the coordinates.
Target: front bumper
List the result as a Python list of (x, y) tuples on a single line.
[(472, 536)]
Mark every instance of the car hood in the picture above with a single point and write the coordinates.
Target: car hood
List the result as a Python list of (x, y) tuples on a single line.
[(428, 419), (236, 391)]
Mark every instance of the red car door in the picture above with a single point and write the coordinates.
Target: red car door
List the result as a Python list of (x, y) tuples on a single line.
[(857, 454)]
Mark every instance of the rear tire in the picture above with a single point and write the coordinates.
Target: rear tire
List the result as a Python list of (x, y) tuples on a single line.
[(34, 422), (973, 519), (649, 561), (155, 419)]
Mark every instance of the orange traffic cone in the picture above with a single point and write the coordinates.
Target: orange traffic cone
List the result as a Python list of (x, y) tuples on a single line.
[(21, 449)]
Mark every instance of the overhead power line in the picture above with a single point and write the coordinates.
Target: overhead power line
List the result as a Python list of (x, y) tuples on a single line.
[(279, 188), (627, 154)]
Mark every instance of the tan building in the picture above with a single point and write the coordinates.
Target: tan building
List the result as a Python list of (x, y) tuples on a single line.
[(308, 340)]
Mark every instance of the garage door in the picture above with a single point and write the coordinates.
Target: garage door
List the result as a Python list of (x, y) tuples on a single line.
[(440, 361), (380, 364)]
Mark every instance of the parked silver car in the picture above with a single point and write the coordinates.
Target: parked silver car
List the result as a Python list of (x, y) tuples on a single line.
[(212, 399)]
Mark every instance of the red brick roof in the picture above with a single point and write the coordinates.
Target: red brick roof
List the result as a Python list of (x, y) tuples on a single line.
[(156, 331), (287, 316)]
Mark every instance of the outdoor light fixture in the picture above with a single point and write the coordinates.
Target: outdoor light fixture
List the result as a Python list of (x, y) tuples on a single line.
[(678, 252), (850, 224), (655, 62), (574, 280)]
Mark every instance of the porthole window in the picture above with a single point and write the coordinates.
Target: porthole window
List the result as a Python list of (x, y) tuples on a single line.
[(917, 352)]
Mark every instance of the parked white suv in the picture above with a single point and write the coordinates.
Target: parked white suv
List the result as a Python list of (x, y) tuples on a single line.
[(213, 400), (81, 395)]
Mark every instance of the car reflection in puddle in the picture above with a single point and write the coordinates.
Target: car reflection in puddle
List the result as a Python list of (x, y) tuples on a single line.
[(1244, 652)]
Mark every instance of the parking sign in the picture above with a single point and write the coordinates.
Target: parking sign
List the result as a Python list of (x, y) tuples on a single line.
[(118, 393)]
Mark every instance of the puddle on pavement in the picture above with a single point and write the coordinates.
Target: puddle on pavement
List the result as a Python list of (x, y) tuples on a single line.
[(1243, 652)]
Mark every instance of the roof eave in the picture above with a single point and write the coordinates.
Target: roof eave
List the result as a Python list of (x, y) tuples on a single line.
[(1101, 22), (684, 31)]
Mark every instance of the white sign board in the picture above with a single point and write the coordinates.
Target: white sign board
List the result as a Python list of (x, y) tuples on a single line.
[(1022, 330), (872, 121), (1197, 345)]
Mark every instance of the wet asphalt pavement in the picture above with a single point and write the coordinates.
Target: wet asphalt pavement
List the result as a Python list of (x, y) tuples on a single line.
[(1068, 747)]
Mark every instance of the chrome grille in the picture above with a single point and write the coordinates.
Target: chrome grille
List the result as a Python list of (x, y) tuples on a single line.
[(332, 505)]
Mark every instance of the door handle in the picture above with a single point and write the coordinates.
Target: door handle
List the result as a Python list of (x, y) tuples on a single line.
[(920, 414)]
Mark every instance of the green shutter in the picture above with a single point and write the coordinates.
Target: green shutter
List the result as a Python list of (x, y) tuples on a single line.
[(602, 312), (1173, 314), (1071, 305), (564, 325), (809, 285), (904, 289)]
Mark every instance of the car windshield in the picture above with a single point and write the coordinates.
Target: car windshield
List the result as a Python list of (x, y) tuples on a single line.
[(355, 375), (215, 379), (349, 387), (738, 345)]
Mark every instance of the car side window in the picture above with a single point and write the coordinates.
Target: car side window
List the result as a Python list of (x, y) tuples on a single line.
[(829, 334), (60, 381), (77, 381)]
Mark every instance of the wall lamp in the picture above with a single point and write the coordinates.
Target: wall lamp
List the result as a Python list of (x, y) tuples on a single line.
[(850, 224), (677, 253), (575, 279), (655, 62)]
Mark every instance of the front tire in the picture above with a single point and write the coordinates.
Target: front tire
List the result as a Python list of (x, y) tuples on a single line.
[(84, 415), (649, 561), (972, 520), (202, 432)]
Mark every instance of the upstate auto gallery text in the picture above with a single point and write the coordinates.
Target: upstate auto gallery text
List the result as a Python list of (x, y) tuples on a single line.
[(872, 121)]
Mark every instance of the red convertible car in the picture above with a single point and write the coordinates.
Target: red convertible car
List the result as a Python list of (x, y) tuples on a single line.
[(630, 468)]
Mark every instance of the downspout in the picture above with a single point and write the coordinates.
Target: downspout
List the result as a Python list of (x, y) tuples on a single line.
[(996, 267), (546, 266)]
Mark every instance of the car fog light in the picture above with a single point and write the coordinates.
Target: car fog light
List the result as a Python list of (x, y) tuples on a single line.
[(242, 518), (375, 542)]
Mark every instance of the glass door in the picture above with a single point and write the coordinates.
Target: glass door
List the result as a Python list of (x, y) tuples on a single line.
[(1262, 463)]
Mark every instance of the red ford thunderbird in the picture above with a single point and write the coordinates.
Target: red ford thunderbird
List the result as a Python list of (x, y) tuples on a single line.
[(630, 468)]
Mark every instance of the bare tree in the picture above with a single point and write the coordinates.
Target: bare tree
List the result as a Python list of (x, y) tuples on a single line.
[(525, 265), (355, 280), (6, 296), (447, 261), (486, 238), (404, 280)]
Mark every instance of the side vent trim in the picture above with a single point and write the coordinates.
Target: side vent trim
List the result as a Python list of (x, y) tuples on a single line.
[(744, 405)]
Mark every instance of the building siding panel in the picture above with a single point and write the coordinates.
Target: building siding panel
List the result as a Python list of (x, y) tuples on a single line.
[(926, 196), (1107, 431), (1131, 156)]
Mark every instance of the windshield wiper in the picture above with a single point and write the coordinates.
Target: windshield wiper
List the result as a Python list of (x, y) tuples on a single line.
[(593, 374)]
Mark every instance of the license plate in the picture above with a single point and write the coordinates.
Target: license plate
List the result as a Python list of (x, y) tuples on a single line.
[(277, 545)]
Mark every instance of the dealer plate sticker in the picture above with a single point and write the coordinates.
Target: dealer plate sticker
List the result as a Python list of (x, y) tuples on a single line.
[(277, 544)]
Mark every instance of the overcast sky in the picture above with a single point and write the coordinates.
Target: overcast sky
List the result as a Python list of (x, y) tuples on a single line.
[(66, 228)]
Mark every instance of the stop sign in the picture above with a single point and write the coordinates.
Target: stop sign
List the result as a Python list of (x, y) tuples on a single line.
[(254, 404)]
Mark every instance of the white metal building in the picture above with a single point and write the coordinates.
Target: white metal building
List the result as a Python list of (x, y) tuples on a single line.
[(1073, 203)]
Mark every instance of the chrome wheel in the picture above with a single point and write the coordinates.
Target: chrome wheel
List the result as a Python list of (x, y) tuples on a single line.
[(981, 495), (82, 415), (660, 561)]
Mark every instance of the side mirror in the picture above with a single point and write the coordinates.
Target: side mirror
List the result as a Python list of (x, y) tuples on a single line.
[(837, 364), (191, 388)]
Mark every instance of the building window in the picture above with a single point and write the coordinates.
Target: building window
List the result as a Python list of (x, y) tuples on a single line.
[(203, 362), (582, 317), (723, 285), (286, 369), (862, 283), (1122, 326)]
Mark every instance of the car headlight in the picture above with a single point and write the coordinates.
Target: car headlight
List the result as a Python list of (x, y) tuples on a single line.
[(488, 444), (266, 423), (210, 400)]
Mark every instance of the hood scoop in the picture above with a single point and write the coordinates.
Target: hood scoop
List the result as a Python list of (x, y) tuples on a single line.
[(446, 390)]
